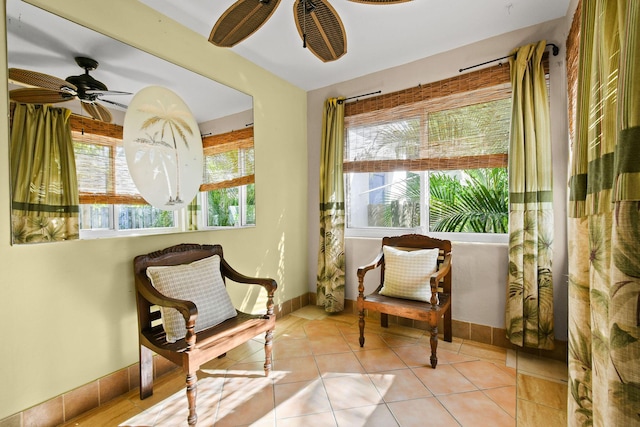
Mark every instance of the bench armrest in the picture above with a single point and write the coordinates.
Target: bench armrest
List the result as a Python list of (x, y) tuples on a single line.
[(268, 284)]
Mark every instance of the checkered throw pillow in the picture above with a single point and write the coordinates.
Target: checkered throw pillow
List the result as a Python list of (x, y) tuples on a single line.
[(200, 282), (406, 273)]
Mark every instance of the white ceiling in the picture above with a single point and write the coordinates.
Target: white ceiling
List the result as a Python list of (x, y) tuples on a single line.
[(378, 36)]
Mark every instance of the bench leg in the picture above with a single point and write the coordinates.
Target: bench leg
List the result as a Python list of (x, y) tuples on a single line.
[(192, 379), (267, 352), (384, 320), (434, 345), (146, 372)]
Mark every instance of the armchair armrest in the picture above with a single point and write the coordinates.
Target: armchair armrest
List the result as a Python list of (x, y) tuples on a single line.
[(436, 277), (377, 262)]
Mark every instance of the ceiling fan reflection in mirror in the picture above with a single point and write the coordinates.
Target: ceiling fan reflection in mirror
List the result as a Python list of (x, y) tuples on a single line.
[(318, 24), (42, 88)]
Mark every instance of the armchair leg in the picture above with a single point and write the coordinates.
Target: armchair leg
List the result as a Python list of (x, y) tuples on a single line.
[(192, 379), (434, 345), (267, 352), (448, 331), (146, 372), (361, 325)]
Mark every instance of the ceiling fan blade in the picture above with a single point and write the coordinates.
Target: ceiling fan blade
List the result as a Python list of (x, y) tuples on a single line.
[(321, 28), (117, 104), (97, 93), (35, 79), (38, 95), (241, 20), (379, 1), (97, 111)]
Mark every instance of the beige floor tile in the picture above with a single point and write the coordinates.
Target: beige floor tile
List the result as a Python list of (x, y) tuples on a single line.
[(543, 391), (446, 357), (288, 347), (505, 397), (414, 356), (245, 400), (311, 312), (366, 416), (325, 419), (396, 341), (485, 374), (339, 364), (483, 351), (301, 398), (401, 384), (295, 369), (321, 328), (422, 412), (351, 391), (371, 341), (328, 344), (382, 359), (531, 414), (476, 409), (542, 367), (445, 379)]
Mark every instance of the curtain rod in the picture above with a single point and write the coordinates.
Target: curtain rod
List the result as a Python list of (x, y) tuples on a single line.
[(359, 96), (556, 50)]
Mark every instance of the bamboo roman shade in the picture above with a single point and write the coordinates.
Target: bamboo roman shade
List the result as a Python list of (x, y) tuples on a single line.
[(101, 166), (228, 160), (457, 123)]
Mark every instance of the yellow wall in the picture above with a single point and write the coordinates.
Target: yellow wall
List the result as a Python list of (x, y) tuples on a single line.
[(68, 309)]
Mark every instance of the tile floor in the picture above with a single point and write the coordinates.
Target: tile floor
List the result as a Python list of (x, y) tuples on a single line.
[(321, 377)]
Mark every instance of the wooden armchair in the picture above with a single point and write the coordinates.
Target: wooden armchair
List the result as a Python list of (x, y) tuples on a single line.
[(412, 273), (197, 345)]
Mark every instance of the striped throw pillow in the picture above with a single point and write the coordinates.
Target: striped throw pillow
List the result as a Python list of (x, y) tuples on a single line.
[(406, 273), (199, 282)]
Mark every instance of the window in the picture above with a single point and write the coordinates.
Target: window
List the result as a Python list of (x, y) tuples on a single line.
[(438, 164), (111, 205), (228, 188), (109, 200)]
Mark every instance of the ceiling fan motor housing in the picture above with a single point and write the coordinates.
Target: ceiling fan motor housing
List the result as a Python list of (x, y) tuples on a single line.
[(84, 82)]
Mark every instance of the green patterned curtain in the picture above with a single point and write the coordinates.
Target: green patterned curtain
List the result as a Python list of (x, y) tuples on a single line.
[(529, 308), (44, 186), (331, 265), (604, 220), (193, 210)]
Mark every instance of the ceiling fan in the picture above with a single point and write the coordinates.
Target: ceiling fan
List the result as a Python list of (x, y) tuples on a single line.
[(317, 21), (46, 89)]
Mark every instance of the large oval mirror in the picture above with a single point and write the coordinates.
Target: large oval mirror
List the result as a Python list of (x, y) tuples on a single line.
[(55, 64)]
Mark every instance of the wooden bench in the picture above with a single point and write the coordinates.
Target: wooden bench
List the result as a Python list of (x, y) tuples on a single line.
[(196, 348)]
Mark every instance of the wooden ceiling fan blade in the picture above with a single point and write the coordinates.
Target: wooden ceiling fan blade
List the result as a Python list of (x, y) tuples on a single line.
[(321, 28), (38, 95), (40, 80), (241, 20), (97, 111)]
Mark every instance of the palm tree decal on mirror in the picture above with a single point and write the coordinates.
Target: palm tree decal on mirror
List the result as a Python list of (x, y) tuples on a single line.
[(163, 148), (173, 120)]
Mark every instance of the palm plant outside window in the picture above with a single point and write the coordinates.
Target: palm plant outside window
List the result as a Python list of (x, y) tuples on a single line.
[(437, 164)]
